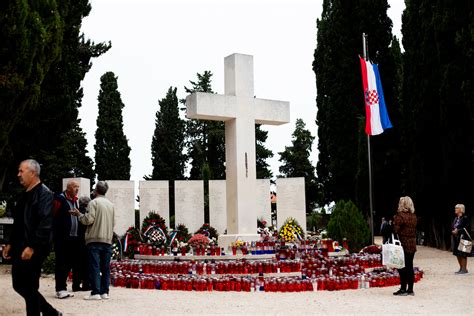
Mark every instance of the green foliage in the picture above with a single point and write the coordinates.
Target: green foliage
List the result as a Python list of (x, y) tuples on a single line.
[(205, 139), (347, 222), (295, 162), (31, 34), (262, 153), (314, 221), (50, 131), (111, 147), (167, 146), (49, 263), (340, 99), (438, 107), (182, 233)]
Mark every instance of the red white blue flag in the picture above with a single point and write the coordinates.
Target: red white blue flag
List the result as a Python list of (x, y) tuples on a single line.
[(377, 119)]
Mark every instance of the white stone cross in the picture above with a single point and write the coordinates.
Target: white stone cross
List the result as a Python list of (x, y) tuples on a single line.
[(240, 111)]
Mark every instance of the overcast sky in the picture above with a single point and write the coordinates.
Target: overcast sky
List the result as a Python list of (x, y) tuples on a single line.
[(158, 44)]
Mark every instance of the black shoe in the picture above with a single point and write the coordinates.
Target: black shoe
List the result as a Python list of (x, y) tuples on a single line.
[(400, 293), (409, 293)]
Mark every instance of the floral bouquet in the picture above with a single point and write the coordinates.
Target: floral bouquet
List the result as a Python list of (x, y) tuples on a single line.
[(291, 231), (154, 230), (130, 241), (199, 241), (208, 230)]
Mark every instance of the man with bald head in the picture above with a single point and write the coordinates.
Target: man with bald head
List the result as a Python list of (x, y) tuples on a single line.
[(30, 241), (68, 240)]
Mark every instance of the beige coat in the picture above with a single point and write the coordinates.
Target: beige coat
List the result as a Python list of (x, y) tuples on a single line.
[(100, 221)]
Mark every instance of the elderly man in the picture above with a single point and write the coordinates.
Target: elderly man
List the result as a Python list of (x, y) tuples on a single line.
[(68, 240), (100, 221), (30, 241)]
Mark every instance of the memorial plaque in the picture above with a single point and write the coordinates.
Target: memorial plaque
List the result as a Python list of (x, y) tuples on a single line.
[(189, 204), (264, 206), (122, 194), (154, 197), (291, 200), (217, 205), (84, 186)]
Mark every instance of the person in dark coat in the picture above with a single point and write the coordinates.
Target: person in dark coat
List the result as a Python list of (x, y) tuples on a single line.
[(460, 229), (68, 239), (30, 240), (404, 225), (385, 230)]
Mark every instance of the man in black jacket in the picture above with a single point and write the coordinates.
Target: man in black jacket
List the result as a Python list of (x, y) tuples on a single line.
[(68, 241), (30, 241)]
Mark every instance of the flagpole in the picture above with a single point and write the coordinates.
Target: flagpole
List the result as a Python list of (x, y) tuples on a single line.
[(369, 154)]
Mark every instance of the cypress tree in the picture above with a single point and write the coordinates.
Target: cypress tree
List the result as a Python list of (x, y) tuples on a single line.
[(167, 146), (340, 100), (295, 162), (111, 147), (437, 112)]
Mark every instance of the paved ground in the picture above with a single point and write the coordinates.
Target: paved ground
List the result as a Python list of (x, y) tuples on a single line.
[(439, 293)]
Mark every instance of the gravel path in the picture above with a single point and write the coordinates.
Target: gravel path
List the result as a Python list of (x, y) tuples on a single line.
[(440, 292)]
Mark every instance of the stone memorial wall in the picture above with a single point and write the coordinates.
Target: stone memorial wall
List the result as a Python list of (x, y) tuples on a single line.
[(189, 203), (291, 200), (154, 197)]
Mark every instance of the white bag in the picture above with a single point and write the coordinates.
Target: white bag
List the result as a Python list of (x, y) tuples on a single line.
[(393, 255)]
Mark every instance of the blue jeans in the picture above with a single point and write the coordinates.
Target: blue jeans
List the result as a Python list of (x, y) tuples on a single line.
[(99, 267)]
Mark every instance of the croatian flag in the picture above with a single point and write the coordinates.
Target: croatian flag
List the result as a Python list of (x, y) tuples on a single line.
[(376, 112)]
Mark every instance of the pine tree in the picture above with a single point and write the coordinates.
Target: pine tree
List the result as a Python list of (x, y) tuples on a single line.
[(262, 153), (437, 111), (205, 139), (111, 147), (167, 146), (340, 100), (295, 162)]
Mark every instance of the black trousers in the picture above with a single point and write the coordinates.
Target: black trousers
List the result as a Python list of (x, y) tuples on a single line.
[(69, 257), (25, 277), (407, 276)]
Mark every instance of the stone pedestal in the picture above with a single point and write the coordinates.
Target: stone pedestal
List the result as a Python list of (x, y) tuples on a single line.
[(263, 200)]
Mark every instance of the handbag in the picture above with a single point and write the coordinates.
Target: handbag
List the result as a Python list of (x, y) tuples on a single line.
[(465, 245), (392, 254)]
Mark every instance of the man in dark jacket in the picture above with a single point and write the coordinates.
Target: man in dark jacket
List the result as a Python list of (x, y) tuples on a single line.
[(68, 240), (30, 240)]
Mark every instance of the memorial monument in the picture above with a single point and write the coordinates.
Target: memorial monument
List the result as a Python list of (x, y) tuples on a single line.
[(240, 111)]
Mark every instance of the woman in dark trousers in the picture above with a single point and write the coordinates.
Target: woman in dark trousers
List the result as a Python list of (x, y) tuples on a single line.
[(404, 225), (460, 229)]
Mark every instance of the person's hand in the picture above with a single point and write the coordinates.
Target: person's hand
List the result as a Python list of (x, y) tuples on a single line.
[(27, 253), (5, 252), (455, 232), (75, 212)]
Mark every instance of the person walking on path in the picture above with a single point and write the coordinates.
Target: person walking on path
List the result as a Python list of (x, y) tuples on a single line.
[(404, 225), (30, 241), (100, 222), (460, 229)]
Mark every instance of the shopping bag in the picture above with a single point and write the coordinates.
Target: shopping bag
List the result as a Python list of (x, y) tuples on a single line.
[(393, 255), (465, 245)]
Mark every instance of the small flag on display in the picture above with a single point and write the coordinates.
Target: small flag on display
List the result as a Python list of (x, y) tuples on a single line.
[(377, 119)]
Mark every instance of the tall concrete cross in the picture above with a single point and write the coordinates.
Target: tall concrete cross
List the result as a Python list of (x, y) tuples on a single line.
[(240, 111)]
